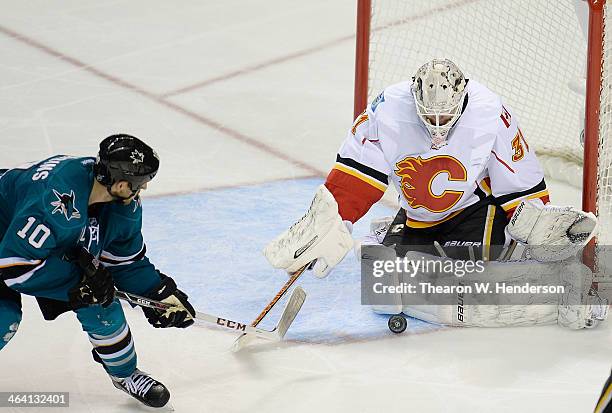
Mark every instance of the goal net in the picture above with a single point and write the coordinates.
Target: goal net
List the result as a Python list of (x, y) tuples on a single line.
[(531, 52)]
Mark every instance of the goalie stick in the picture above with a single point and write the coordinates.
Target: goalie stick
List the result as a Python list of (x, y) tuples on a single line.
[(244, 338), (291, 309)]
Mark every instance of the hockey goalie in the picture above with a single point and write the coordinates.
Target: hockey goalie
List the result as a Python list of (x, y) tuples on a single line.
[(470, 187)]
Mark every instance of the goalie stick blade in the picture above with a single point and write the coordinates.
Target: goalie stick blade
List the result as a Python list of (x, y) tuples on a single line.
[(298, 296), (293, 307)]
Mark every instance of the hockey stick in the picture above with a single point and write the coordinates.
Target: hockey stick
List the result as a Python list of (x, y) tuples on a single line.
[(244, 338), (293, 306)]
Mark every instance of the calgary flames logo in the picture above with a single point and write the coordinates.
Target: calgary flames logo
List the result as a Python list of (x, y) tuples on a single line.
[(417, 175)]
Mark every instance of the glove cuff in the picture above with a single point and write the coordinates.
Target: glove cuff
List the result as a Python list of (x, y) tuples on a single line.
[(164, 289)]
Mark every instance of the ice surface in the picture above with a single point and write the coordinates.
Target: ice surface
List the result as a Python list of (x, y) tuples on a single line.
[(217, 259), (246, 102)]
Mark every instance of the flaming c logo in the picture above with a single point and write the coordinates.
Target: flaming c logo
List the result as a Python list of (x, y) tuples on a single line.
[(417, 175)]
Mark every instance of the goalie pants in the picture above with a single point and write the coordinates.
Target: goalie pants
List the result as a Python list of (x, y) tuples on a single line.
[(478, 229)]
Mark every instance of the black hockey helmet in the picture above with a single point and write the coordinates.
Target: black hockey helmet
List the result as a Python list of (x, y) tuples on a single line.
[(125, 158)]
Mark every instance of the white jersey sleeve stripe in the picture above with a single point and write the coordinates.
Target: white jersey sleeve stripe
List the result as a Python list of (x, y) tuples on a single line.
[(108, 255), (13, 261)]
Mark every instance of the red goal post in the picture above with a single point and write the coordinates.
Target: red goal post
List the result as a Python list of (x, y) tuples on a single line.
[(528, 52), (593, 104)]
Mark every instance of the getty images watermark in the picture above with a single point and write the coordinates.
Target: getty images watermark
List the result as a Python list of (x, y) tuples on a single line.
[(425, 279), (410, 267), (34, 399), (413, 266)]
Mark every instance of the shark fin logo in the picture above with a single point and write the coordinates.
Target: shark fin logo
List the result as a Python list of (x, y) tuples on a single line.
[(64, 204)]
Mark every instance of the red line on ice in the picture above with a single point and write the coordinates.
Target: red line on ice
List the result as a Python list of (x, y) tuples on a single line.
[(234, 134), (312, 50)]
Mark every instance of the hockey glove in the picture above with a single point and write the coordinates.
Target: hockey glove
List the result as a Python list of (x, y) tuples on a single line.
[(181, 315), (96, 285), (552, 233), (319, 235)]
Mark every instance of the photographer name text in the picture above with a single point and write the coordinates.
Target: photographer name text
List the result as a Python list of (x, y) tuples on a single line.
[(478, 288)]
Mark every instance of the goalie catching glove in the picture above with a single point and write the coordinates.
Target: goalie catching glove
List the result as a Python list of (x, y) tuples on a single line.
[(181, 315), (319, 235), (552, 233)]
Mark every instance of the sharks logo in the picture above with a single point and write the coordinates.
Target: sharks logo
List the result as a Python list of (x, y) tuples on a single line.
[(65, 205), (137, 157)]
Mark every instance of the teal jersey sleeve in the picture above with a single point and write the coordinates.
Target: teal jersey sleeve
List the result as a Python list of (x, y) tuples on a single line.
[(31, 257), (125, 253), (43, 225)]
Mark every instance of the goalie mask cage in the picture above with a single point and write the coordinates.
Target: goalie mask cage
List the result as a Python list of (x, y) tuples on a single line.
[(533, 53)]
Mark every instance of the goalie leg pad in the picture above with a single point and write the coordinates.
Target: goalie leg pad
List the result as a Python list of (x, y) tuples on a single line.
[(577, 307), (492, 310), (580, 306)]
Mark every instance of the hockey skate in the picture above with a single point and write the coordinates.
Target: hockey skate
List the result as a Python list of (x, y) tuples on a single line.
[(143, 388)]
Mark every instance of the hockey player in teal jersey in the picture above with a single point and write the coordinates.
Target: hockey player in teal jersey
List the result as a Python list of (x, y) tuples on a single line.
[(61, 218)]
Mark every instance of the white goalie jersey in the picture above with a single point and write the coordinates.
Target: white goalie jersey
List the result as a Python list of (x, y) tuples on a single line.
[(486, 158), (487, 154)]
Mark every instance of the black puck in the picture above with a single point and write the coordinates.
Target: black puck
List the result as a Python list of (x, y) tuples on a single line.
[(397, 323)]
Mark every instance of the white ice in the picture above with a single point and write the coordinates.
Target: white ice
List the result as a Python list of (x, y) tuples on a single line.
[(241, 155)]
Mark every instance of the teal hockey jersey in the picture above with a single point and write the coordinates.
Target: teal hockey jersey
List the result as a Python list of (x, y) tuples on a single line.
[(44, 214)]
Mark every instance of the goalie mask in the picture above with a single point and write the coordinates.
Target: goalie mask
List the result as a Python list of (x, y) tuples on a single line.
[(439, 94)]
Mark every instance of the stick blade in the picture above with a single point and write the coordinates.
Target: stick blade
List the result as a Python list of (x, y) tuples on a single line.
[(241, 342), (293, 307)]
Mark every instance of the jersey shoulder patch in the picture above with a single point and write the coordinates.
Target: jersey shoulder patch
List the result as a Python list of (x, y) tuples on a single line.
[(63, 208), (360, 120), (377, 101), (65, 204), (66, 196)]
